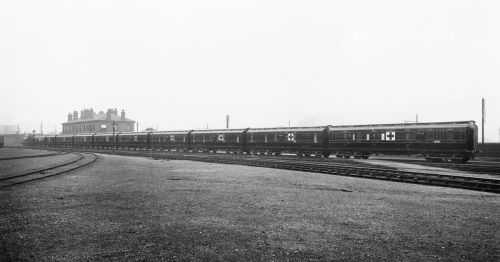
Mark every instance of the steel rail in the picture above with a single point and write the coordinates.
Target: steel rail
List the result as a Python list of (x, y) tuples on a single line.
[(485, 168), (81, 161)]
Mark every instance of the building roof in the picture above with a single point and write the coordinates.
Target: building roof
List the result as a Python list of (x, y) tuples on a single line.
[(100, 117)]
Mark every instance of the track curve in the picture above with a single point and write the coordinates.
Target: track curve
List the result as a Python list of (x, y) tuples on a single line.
[(84, 159)]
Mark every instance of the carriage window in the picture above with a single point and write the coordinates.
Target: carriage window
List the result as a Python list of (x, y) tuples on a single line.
[(135, 138), (400, 135), (367, 136), (251, 138), (172, 138), (315, 138), (449, 136), (107, 139), (237, 138)]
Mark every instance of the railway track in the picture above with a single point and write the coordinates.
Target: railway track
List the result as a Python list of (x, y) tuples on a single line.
[(332, 167), (471, 183), (476, 167), (84, 159)]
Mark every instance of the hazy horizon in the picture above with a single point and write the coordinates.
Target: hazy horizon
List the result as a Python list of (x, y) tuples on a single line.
[(183, 65)]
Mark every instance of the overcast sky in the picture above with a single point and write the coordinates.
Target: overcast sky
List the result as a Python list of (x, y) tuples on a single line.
[(186, 64)]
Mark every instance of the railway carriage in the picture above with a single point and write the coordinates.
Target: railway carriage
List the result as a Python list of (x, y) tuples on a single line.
[(50, 141), (298, 140), (84, 140), (1, 141), (170, 140), (445, 140), (229, 140), (104, 141), (136, 141), (64, 141)]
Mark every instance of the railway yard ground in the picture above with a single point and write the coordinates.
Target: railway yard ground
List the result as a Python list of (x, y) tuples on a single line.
[(15, 152), (135, 208)]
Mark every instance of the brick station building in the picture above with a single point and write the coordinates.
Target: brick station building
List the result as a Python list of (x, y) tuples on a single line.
[(91, 122)]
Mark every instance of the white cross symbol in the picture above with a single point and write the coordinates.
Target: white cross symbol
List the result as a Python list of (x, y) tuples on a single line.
[(391, 136)]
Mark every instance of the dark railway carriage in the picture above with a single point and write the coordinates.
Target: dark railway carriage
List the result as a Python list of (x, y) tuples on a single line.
[(64, 141), (451, 140), (229, 140), (297, 140), (39, 141), (84, 141), (104, 141), (171, 140), (136, 141), (50, 141)]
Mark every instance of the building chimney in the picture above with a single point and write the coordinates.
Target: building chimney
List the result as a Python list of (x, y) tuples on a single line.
[(70, 117), (81, 114), (123, 114), (115, 112), (108, 114), (227, 121), (75, 115), (92, 113)]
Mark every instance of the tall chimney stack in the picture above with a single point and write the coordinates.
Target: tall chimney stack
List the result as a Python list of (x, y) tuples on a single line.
[(123, 115), (70, 117), (108, 114), (483, 120), (227, 121), (75, 115)]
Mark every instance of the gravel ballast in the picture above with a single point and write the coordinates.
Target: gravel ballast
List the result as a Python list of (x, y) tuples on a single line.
[(131, 208)]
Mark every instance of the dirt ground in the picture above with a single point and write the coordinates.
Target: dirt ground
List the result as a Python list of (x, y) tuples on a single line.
[(17, 151), (130, 208)]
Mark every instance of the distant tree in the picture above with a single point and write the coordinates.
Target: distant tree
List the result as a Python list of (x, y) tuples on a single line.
[(149, 129)]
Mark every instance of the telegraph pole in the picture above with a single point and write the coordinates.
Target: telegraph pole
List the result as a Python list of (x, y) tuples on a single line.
[(482, 125)]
